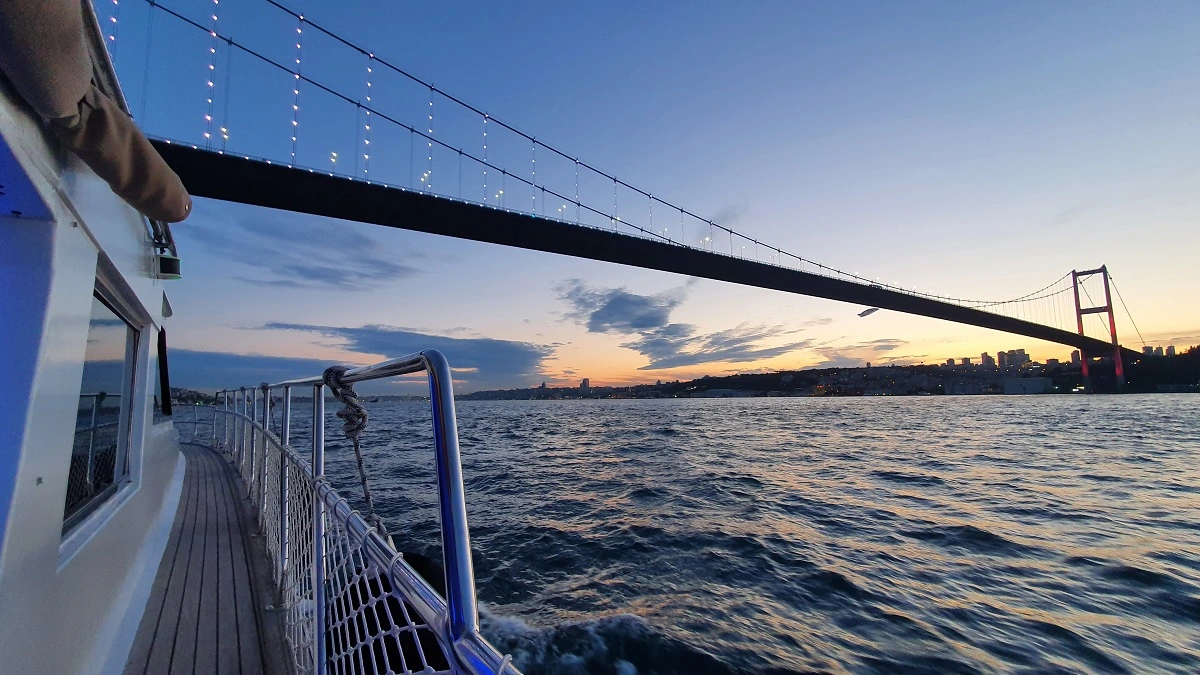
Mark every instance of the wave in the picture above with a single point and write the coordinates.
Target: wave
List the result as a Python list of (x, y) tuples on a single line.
[(623, 644)]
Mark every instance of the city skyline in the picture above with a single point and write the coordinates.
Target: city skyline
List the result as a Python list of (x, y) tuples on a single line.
[(965, 151)]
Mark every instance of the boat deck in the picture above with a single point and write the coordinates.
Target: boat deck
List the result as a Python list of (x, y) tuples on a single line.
[(207, 611)]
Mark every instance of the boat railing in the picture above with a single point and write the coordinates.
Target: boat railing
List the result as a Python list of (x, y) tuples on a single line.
[(93, 454), (350, 602)]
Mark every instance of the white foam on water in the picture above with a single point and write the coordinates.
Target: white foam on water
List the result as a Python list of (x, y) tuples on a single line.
[(571, 647)]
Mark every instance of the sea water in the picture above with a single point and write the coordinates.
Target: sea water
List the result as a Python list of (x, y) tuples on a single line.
[(918, 534)]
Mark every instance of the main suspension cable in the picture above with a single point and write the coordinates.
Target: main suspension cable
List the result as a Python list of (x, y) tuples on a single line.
[(1126, 307)]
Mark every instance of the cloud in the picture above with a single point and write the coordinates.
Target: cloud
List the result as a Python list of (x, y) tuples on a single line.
[(616, 310), (491, 363), (730, 215), (666, 344), (857, 354), (1069, 215), (835, 359), (209, 371), (296, 251)]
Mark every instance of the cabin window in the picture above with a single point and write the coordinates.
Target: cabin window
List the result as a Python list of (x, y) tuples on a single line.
[(99, 456)]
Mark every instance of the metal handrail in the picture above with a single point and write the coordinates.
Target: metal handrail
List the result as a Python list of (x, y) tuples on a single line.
[(90, 471), (458, 613)]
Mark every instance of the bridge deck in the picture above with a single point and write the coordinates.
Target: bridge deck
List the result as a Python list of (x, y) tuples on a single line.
[(247, 181), (206, 612)]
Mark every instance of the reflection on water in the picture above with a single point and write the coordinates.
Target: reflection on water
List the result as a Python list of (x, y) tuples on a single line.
[(947, 534)]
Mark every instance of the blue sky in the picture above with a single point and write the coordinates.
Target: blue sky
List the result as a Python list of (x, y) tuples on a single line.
[(974, 149)]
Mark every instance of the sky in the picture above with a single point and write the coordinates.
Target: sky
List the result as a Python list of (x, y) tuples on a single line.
[(979, 150)]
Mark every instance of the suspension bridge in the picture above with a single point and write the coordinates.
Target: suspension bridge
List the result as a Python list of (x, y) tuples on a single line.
[(303, 119)]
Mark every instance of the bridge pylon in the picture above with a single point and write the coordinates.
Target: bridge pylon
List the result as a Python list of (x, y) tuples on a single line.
[(1080, 311)]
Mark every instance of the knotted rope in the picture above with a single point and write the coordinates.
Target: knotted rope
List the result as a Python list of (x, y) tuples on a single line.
[(355, 416)]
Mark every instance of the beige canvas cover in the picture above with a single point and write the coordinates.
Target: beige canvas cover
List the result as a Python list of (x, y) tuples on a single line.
[(43, 53)]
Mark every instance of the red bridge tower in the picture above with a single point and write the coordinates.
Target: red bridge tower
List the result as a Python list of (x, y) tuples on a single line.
[(1112, 321)]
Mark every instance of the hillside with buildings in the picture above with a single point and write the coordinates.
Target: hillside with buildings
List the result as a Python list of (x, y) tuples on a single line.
[(1009, 372)]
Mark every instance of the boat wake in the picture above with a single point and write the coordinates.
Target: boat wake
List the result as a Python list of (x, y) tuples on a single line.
[(622, 644)]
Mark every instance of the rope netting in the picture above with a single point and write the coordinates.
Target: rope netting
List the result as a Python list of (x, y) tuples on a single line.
[(370, 626)]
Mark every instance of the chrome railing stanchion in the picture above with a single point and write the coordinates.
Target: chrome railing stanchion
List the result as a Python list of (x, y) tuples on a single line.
[(318, 467), (262, 465), (247, 438), (456, 541), (340, 535), (231, 420), (91, 456), (251, 417), (242, 428), (285, 432)]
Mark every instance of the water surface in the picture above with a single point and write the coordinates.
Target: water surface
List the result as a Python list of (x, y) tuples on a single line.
[(921, 534)]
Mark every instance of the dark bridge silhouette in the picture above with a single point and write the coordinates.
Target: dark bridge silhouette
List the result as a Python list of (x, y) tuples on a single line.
[(248, 181)]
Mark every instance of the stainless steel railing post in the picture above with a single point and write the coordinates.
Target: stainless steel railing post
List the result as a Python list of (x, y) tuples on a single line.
[(241, 426), (91, 456), (318, 466), (246, 444), (262, 470), (456, 540), (285, 432), (252, 417)]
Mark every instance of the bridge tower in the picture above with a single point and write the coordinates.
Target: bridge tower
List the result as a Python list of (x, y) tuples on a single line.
[(1080, 311)]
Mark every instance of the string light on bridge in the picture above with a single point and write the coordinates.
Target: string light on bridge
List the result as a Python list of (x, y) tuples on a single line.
[(533, 174), (427, 179), (615, 217), (212, 77), (367, 132), (296, 88), (485, 159), (650, 201), (228, 91), (114, 22)]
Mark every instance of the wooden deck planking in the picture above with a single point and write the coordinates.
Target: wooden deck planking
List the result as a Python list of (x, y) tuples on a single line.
[(228, 654), (183, 656), (206, 609), (207, 615), (243, 598)]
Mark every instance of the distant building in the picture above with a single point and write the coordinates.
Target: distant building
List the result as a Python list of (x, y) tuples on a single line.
[(1014, 358), (1158, 351), (973, 388), (1075, 358), (1028, 385), (966, 361), (987, 360), (1051, 362), (586, 385), (1171, 350), (949, 362), (543, 386), (1148, 350), (1002, 358)]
